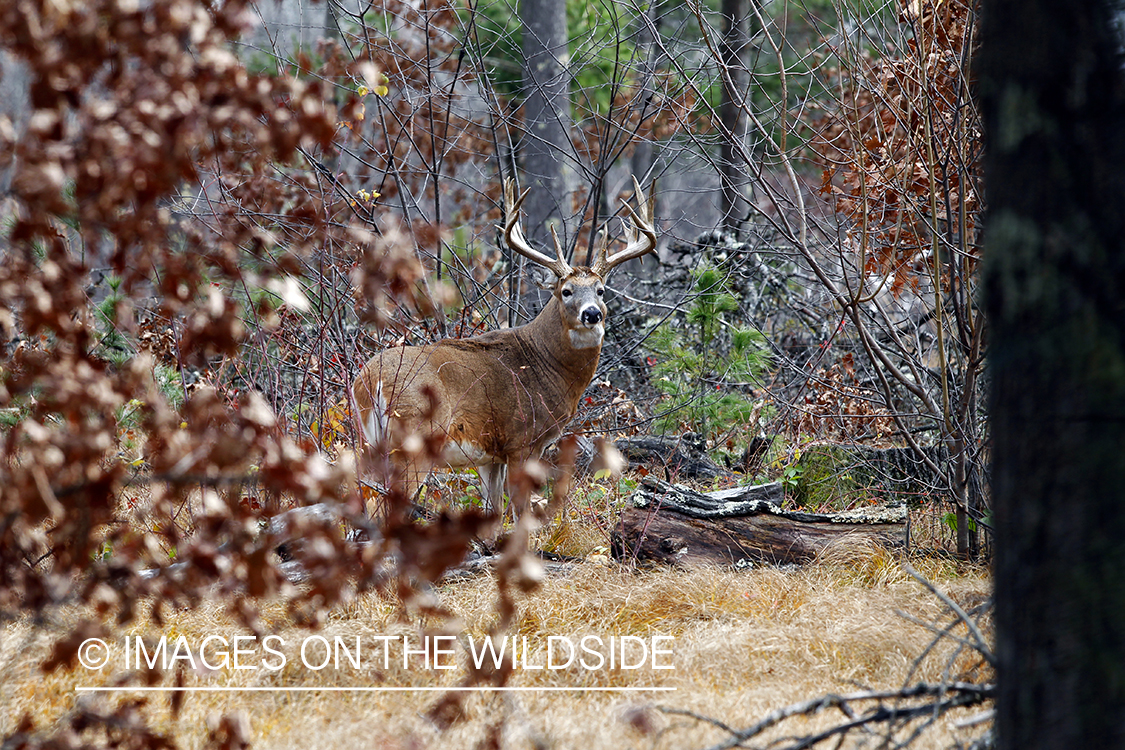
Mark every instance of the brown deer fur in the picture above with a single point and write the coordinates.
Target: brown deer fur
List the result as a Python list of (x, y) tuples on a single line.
[(503, 396)]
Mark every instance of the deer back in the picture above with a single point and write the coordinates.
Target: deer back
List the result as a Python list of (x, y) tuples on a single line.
[(504, 394)]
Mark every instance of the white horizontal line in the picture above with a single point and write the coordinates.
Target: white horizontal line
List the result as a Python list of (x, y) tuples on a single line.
[(301, 689)]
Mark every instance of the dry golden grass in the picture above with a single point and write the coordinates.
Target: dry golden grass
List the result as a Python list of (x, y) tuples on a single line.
[(745, 643)]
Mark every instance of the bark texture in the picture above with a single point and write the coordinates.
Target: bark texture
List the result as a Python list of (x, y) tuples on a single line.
[(1051, 86)]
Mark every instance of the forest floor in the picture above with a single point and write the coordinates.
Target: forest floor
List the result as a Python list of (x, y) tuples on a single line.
[(743, 643)]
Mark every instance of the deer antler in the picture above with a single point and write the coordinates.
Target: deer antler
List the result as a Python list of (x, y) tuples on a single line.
[(640, 235), (513, 234)]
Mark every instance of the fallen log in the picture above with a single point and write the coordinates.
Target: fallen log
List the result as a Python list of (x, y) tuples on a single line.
[(674, 525)]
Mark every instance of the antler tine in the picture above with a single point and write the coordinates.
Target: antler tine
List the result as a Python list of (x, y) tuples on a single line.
[(640, 235), (597, 252), (513, 234), (558, 248)]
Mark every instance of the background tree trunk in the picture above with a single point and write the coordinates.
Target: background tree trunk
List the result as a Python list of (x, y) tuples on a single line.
[(546, 147), (648, 25), (732, 158), (1055, 282)]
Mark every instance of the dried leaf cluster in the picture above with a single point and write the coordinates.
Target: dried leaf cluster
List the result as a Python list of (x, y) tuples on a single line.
[(901, 148), (837, 408), (164, 200)]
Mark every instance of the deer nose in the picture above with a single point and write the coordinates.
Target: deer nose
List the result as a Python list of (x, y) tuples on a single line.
[(591, 316)]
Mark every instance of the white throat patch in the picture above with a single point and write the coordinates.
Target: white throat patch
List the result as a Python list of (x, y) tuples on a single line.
[(587, 338)]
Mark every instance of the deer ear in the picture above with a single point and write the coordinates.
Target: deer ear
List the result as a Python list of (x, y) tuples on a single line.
[(544, 278)]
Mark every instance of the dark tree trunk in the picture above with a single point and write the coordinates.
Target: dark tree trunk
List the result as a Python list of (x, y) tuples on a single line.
[(1051, 86)]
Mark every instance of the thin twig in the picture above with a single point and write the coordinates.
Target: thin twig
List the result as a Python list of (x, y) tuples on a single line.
[(981, 643)]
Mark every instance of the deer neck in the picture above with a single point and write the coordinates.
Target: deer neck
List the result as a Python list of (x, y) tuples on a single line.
[(573, 353)]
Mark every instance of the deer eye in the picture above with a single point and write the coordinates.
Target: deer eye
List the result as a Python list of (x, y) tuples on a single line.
[(566, 293), (601, 291)]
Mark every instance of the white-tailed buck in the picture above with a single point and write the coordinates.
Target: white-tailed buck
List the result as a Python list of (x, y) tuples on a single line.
[(501, 397)]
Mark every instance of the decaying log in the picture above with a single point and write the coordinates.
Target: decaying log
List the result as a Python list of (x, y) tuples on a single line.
[(739, 501), (674, 525)]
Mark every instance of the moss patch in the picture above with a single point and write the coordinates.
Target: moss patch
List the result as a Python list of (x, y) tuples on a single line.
[(836, 477)]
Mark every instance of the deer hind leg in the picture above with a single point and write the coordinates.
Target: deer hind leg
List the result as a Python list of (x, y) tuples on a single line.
[(404, 478), (412, 478), (405, 474), (493, 478)]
